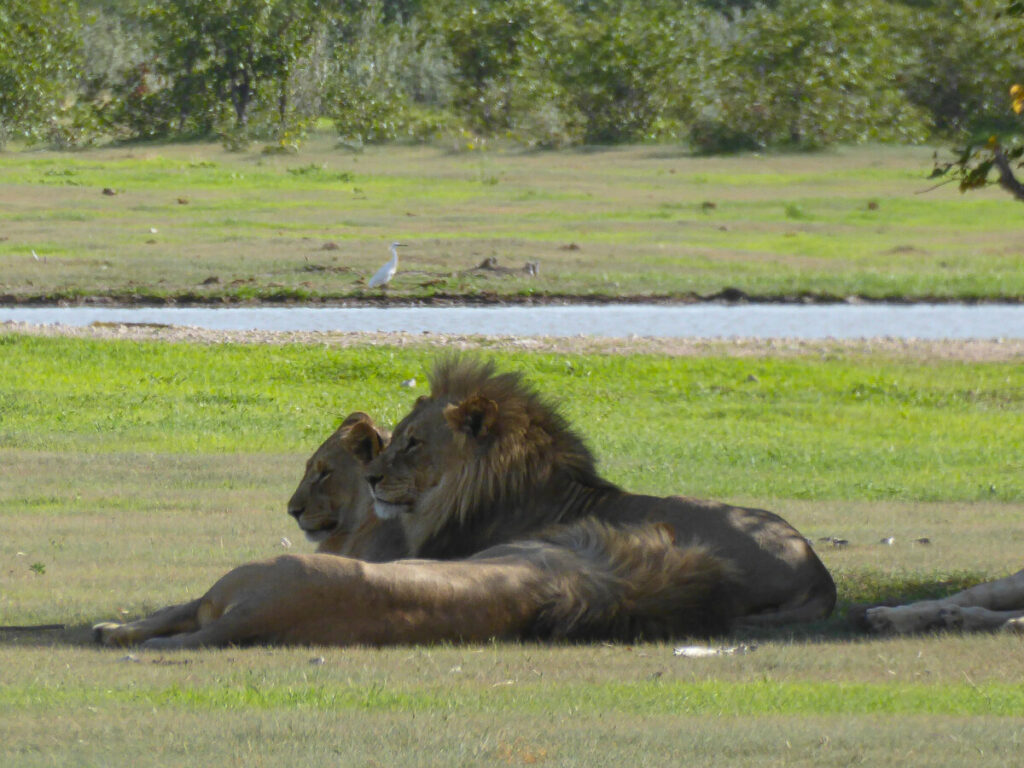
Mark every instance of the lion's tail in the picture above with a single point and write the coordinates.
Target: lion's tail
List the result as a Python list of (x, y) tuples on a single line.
[(631, 583)]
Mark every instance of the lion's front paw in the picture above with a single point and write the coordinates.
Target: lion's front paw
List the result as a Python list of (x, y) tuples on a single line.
[(879, 620), (110, 633), (1015, 625)]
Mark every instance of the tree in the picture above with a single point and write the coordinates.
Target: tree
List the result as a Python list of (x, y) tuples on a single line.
[(231, 49), (972, 169), (808, 74), (964, 56), (501, 53), (975, 162), (618, 72), (39, 57)]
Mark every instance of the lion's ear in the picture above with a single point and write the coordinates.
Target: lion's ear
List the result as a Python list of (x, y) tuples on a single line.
[(355, 417), (475, 416), (363, 441)]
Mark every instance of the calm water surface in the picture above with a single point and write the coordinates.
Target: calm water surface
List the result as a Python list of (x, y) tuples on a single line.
[(841, 321)]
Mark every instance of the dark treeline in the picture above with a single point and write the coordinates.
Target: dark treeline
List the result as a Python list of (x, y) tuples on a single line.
[(714, 74)]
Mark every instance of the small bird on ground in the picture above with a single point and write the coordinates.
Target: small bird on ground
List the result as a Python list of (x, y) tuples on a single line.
[(385, 273)]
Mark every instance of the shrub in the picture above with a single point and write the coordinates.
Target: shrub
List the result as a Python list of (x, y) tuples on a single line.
[(807, 74), (966, 56)]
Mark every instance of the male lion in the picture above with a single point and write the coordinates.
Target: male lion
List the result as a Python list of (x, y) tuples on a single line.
[(577, 582), (484, 460)]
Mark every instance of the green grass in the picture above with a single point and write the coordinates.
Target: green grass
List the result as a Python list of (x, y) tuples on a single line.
[(716, 698), (840, 428), (623, 223), (136, 473), (516, 705)]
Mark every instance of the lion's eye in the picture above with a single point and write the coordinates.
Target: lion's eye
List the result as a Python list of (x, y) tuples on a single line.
[(323, 475), (412, 444)]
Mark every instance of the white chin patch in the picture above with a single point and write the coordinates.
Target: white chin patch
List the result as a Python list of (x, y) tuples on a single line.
[(386, 511)]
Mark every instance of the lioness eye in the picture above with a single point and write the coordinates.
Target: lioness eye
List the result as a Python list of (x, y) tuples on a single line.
[(323, 475), (413, 444)]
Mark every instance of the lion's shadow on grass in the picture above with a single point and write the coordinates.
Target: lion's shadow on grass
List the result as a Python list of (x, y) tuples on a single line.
[(46, 636)]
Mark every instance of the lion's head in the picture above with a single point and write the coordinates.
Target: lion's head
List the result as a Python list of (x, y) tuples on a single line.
[(333, 497), (481, 442)]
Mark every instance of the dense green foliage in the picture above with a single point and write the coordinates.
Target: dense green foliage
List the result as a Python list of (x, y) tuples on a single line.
[(718, 75), (974, 163), (39, 54)]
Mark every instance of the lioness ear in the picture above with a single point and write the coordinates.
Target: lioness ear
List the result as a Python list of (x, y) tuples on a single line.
[(363, 441), (354, 417), (475, 416)]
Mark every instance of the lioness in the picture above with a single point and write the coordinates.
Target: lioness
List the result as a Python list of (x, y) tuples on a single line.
[(484, 460), (576, 582), (332, 503)]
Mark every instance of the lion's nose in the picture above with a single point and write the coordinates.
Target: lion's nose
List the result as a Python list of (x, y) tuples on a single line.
[(296, 512)]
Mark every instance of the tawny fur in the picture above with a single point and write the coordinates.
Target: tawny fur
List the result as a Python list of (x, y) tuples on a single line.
[(585, 581), (632, 584), (582, 582), (992, 605), (485, 459), (332, 503)]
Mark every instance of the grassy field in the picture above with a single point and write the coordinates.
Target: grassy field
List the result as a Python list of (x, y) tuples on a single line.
[(192, 222), (135, 473)]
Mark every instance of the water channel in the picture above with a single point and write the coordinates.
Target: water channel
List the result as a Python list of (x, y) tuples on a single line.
[(840, 321)]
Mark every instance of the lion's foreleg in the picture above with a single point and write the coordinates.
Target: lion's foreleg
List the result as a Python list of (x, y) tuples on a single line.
[(198, 619), (1005, 594), (167, 621), (234, 627), (981, 607), (937, 615), (976, 619)]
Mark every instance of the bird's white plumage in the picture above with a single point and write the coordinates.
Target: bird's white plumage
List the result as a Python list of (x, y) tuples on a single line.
[(384, 274)]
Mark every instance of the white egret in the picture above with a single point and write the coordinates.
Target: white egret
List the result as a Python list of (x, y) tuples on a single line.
[(385, 273)]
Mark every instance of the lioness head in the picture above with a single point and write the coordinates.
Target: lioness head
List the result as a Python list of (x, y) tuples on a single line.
[(480, 441), (333, 496)]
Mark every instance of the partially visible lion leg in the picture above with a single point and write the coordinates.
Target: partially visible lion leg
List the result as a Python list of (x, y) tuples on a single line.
[(234, 627), (166, 621), (249, 603), (810, 605), (982, 607), (976, 619), (933, 615)]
